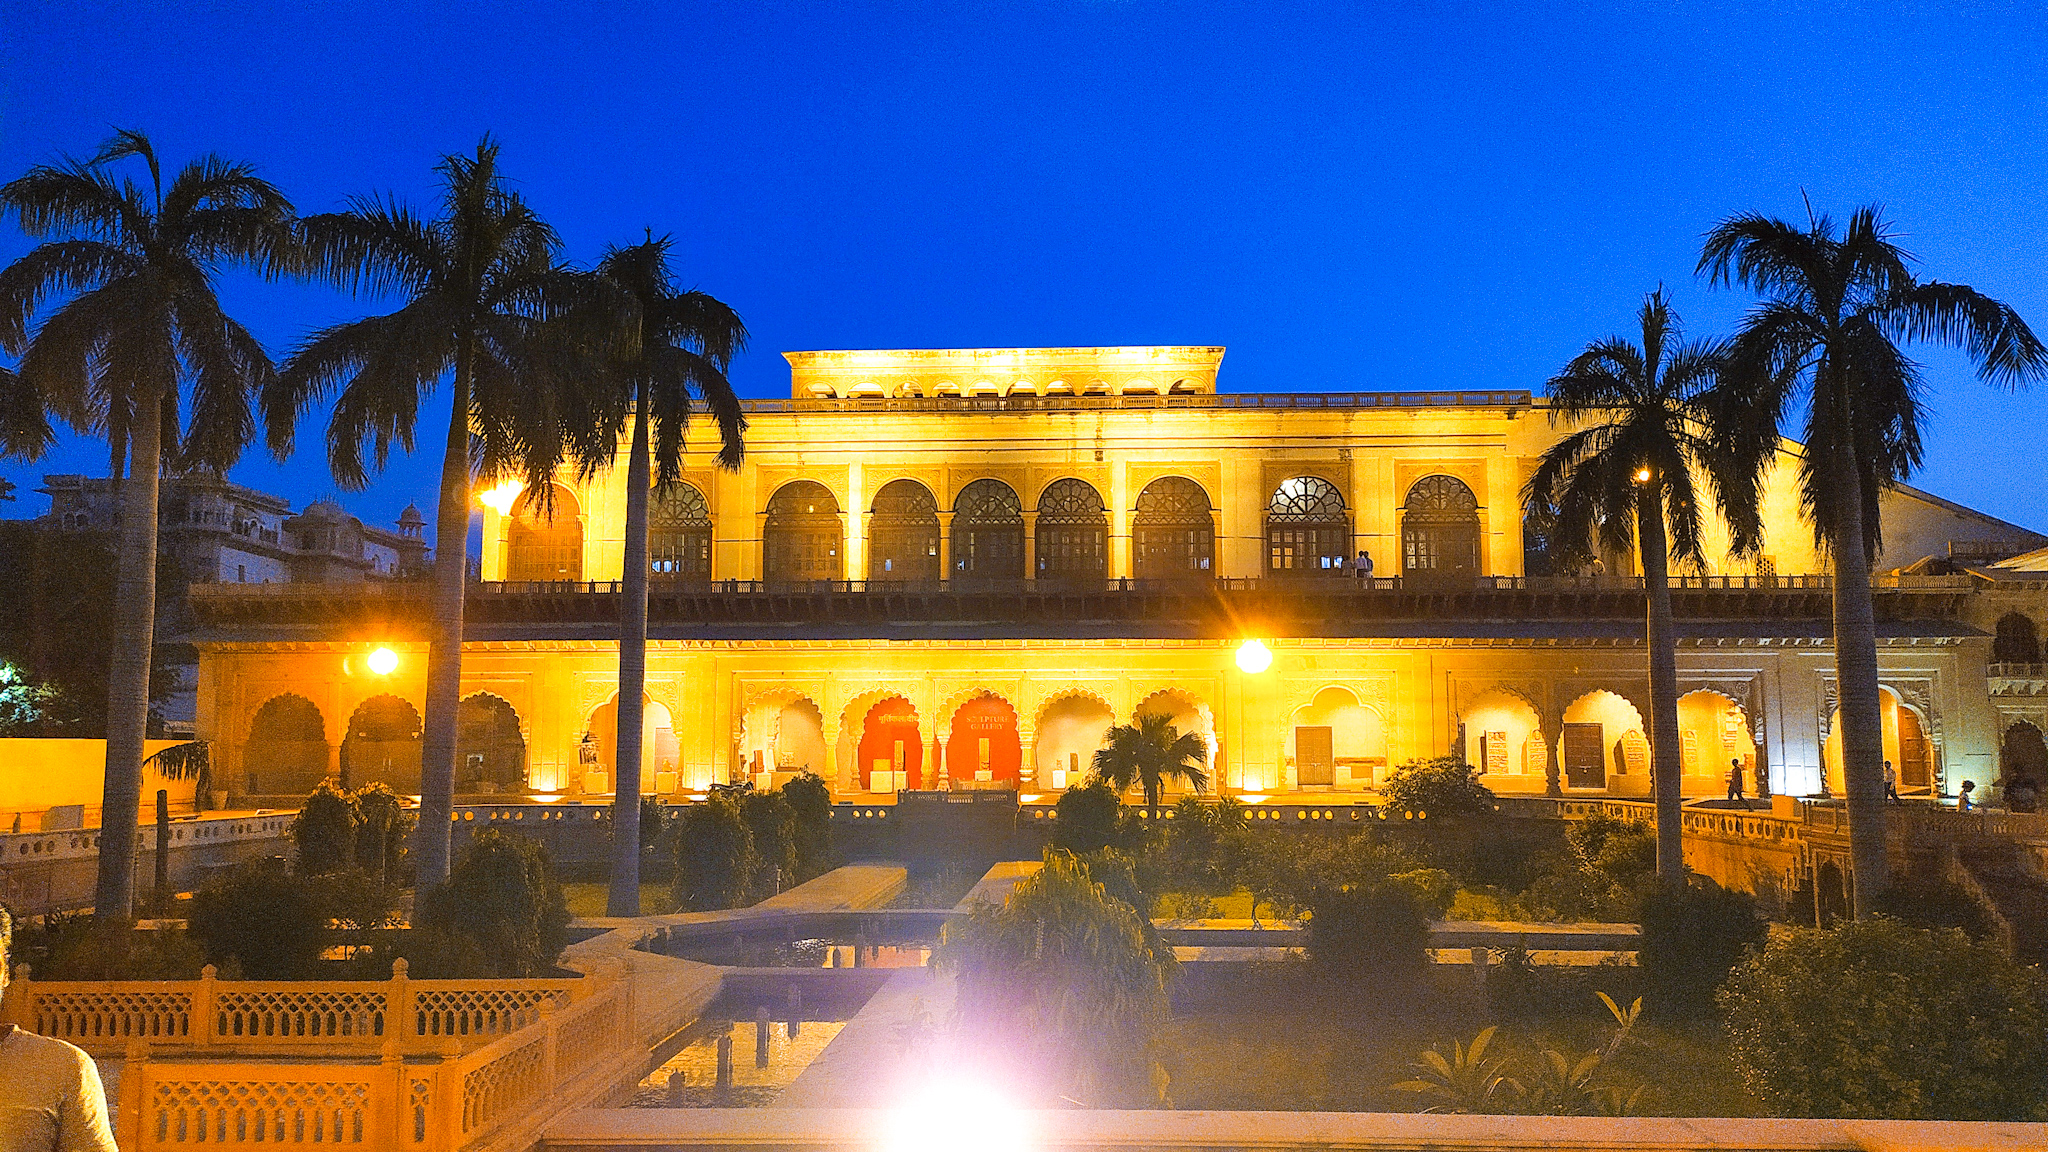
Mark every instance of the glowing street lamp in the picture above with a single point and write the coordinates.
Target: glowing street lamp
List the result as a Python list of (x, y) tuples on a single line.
[(1254, 657), (1642, 476), (383, 661), (500, 498)]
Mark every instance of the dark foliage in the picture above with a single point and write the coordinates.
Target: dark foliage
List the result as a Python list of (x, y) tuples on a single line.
[(503, 896), (57, 626), (261, 922), (1443, 787), (1692, 937), (715, 857), (382, 833), (1368, 930), (1089, 818), (810, 798), (325, 831), (772, 824)]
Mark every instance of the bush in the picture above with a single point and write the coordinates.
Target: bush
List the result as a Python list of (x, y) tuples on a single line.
[(1445, 786), (71, 946), (381, 836), (439, 954), (772, 823), (502, 896), (1059, 988), (1089, 818), (1433, 889), (324, 831), (1692, 937), (1199, 850), (715, 859), (1934, 902), (1376, 930), (810, 798), (1882, 1020), (1624, 851), (261, 922)]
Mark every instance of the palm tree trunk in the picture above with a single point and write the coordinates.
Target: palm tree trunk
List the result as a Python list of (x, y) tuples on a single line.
[(444, 645), (624, 899), (1857, 705), (1666, 765), (128, 673)]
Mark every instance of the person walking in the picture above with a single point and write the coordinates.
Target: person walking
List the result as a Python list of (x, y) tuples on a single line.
[(51, 1099), (1735, 780), (1891, 783), (1963, 797)]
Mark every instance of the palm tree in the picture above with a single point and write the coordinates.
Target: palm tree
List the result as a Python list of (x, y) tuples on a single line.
[(480, 284), (1649, 424), (671, 353), (1835, 310), (1150, 753), (140, 351)]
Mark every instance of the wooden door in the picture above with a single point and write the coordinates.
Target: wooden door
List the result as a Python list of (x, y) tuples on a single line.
[(1315, 759), (1585, 756)]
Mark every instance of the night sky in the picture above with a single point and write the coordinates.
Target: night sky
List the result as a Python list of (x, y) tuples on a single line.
[(1349, 197)]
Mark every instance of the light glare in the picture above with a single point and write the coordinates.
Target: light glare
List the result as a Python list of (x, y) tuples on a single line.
[(954, 1116), (383, 661), (501, 497), (1254, 657)]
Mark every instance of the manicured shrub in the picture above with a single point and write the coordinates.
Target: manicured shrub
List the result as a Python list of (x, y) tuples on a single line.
[(502, 896), (324, 831), (810, 798), (772, 823), (1433, 889), (71, 946), (1368, 930), (1089, 818), (260, 922), (1058, 991), (1623, 851), (1443, 787), (1692, 937), (382, 833), (715, 859), (1882, 1020)]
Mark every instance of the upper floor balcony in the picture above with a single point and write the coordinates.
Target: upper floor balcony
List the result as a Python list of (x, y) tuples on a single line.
[(1601, 607)]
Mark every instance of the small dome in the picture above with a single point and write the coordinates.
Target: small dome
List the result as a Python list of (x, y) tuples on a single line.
[(411, 516)]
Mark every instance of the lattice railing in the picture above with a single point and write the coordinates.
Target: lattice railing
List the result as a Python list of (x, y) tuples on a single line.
[(325, 1017), (462, 1100)]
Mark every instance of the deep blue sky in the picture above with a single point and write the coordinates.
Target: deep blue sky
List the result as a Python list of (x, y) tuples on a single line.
[(1347, 196)]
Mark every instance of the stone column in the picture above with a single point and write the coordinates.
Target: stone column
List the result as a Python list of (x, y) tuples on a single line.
[(835, 773), (946, 545), (941, 780), (1027, 761), (1031, 544), (854, 559), (1119, 522)]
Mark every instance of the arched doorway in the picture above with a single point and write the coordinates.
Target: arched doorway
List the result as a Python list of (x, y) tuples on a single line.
[(2017, 641), (1336, 742), (383, 744), (903, 535), (1172, 531), (658, 749), (984, 750), (988, 532), (1503, 738), (679, 533), (1713, 735), (784, 733), (1308, 529), (1440, 529), (1906, 744), (1073, 532), (287, 750), (890, 755), (545, 542), (1603, 735), (1069, 730), (490, 751), (803, 534), (2022, 767)]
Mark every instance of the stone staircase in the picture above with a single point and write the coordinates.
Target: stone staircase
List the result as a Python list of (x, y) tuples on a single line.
[(2001, 875)]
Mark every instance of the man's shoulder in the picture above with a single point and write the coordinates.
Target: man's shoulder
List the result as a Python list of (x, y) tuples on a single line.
[(27, 1045)]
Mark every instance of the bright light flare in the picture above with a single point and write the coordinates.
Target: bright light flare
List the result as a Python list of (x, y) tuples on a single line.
[(1642, 475), (954, 1116), (383, 661), (501, 497), (1254, 657)]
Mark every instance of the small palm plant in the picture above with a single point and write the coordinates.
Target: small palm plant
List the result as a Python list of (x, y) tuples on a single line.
[(1150, 753), (1467, 1080)]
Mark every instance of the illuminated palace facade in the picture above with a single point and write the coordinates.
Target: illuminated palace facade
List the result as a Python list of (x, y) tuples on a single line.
[(955, 569)]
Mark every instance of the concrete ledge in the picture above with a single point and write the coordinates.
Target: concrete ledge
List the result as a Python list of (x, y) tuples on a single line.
[(799, 1128)]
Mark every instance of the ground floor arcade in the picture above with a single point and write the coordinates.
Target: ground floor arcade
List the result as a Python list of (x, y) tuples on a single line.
[(875, 717)]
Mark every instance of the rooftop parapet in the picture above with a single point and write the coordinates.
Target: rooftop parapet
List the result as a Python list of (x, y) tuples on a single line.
[(932, 373)]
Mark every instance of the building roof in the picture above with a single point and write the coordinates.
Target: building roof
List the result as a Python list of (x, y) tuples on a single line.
[(934, 372)]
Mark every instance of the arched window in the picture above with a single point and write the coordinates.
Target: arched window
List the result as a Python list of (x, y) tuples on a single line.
[(1440, 530), (679, 533), (1308, 532), (802, 537), (903, 537), (546, 542), (1073, 532), (988, 532), (2017, 642), (1172, 531)]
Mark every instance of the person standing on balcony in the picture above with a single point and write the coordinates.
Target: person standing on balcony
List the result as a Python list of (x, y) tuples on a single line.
[(1364, 567), (1891, 783), (51, 1099), (1735, 781)]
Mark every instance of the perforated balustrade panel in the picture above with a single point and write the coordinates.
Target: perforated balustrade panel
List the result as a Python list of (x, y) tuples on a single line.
[(206, 1112), (461, 1012), (106, 1020), (287, 1016)]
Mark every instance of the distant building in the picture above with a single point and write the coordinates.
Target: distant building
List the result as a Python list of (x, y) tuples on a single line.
[(220, 532)]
